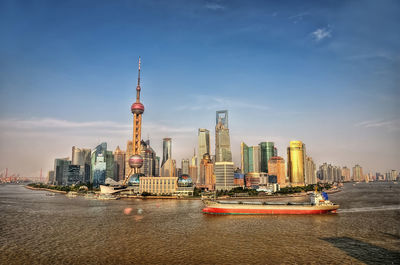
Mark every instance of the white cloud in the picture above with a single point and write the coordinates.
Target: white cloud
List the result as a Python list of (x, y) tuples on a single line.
[(391, 125), (214, 6), (321, 33), (202, 102)]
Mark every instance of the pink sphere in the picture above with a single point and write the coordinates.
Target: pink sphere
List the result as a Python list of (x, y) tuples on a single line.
[(137, 108), (136, 161)]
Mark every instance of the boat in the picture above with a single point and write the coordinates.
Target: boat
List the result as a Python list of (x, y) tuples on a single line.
[(319, 204)]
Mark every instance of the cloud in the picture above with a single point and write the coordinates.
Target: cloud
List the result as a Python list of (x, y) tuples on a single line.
[(391, 125), (214, 6), (298, 17), (202, 102), (321, 33)]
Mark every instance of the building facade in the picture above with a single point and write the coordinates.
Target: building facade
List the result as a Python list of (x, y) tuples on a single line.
[(224, 175), (119, 164), (276, 166), (167, 150), (158, 185), (222, 139), (267, 150), (358, 173), (295, 163)]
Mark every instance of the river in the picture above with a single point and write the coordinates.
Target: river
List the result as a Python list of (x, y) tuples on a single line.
[(40, 229)]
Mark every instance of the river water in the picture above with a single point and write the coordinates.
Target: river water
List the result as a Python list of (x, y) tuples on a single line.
[(40, 229)]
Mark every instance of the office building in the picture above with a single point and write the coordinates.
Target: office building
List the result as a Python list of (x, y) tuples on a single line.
[(185, 166), (295, 163), (346, 174), (267, 150), (276, 167), (204, 145), (224, 178), (222, 139), (167, 150), (310, 175), (358, 173), (119, 164), (61, 171)]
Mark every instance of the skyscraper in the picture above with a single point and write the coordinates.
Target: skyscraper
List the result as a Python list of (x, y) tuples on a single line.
[(358, 173), (167, 150), (276, 167), (295, 163), (310, 176), (204, 145), (61, 171), (267, 151), (346, 173), (119, 164), (82, 157), (224, 176), (185, 166), (149, 159), (244, 157), (101, 160), (222, 139)]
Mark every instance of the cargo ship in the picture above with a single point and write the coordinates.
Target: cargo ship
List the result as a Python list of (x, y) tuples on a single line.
[(319, 204)]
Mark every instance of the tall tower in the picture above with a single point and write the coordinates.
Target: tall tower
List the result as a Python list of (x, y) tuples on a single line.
[(222, 140), (137, 108)]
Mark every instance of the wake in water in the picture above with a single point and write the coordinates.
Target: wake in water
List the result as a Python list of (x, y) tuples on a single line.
[(370, 209)]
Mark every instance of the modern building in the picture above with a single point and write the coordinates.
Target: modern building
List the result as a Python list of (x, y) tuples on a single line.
[(295, 163), (238, 180), (50, 177), (119, 164), (253, 179), (346, 174), (222, 139), (167, 150), (74, 175), (310, 174), (99, 170), (82, 157), (358, 173), (193, 173), (149, 159), (169, 168), (61, 171), (185, 166), (204, 145), (276, 167), (224, 178), (157, 166), (244, 158), (206, 178), (267, 150)]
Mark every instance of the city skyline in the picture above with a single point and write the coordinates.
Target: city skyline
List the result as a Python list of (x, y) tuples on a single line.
[(77, 97)]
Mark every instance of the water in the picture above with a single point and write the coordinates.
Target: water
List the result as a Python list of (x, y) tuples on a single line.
[(39, 229)]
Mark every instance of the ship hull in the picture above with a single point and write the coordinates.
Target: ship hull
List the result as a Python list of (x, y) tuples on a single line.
[(269, 209)]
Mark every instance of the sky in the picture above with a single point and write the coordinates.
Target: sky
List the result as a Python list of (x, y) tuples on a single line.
[(323, 72)]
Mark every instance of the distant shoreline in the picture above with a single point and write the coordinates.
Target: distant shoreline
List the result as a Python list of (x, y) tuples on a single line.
[(55, 191)]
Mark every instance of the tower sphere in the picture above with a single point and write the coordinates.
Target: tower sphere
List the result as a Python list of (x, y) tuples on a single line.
[(136, 161), (137, 108)]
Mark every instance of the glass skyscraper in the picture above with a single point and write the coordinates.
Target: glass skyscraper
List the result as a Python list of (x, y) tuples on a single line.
[(267, 151), (167, 152), (222, 139), (295, 163)]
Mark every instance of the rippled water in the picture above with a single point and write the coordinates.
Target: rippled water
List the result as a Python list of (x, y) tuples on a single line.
[(39, 229)]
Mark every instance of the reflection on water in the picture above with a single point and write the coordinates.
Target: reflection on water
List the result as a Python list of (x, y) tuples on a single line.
[(39, 229)]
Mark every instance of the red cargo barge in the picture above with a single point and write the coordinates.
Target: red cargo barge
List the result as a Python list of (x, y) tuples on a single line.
[(318, 205)]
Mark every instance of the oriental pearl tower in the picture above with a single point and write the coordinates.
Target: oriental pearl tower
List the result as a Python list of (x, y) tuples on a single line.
[(137, 108)]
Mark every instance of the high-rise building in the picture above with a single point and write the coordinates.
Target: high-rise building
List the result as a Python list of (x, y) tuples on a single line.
[(358, 173), (74, 175), (61, 171), (244, 158), (193, 168), (185, 166), (346, 173), (275, 151), (393, 175), (149, 159), (205, 173), (310, 175), (169, 168), (119, 164), (82, 157), (254, 159), (224, 175), (276, 167), (222, 139), (50, 177), (167, 150), (204, 145), (157, 167), (267, 151), (295, 163), (99, 170)]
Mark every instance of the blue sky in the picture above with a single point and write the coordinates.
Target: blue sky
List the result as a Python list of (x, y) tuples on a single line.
[(324, 72)]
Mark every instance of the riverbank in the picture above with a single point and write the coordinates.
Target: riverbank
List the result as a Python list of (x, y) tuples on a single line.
[(45, 189)]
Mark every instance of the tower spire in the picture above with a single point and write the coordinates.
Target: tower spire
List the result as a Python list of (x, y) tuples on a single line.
[(138, 84)]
